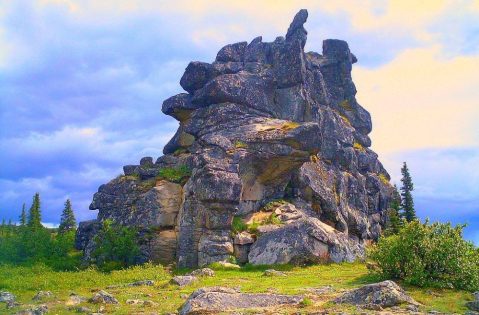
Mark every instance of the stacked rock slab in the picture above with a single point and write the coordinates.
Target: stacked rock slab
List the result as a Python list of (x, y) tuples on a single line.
[(264, 121)]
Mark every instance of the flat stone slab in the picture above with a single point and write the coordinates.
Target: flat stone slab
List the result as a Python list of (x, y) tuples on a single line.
[(383, 294), (218, 299)]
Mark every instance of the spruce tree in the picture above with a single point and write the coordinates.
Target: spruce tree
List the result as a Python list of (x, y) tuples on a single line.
[(394, 218), (35, 216), (407, 203), (23, 216), (67, 221)]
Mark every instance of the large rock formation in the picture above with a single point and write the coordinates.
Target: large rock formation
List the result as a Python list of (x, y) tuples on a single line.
[(265, 121)]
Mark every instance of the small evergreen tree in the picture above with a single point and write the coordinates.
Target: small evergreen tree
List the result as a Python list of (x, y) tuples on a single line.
[(67, 221), (395, 222), (35, 216), (23, 216), (407, 203)]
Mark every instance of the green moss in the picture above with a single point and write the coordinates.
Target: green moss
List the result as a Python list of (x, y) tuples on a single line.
[(345, 119), (128, 177), (180, 151), (178, 174), (346, 105), (290, 125), (273, 219), (383, 179), (240, 144), (306, 302), (358, 146), (273, 204)]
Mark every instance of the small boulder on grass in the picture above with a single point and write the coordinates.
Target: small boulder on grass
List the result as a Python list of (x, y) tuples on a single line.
[(141, 283), (104, 298), (74, 299), (39, 310), (6, 296), (42, 295), (377, 295), (183, 280), (203, 272)]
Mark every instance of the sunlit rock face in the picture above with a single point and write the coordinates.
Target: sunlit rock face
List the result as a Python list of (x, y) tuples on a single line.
[(265, 121)]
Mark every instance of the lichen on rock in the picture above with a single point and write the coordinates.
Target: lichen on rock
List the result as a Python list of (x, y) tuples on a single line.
[(265, 121)]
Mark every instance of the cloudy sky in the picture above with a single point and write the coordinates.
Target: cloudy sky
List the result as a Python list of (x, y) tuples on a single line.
[(82, 82)]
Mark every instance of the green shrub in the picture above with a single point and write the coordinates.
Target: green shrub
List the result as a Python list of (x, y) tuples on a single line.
[(238, 225), (178, 174), (26, 246), (426, 254), (116, 246)]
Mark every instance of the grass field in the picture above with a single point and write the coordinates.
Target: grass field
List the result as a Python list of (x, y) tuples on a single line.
[(25, 282)]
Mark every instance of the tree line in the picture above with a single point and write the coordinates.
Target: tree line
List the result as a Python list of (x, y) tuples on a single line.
[(28, 241)]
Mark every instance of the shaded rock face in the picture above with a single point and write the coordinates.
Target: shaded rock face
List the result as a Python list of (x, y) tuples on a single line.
[(264, 121)]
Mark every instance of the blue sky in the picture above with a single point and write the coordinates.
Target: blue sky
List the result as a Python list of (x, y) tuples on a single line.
[(82, 82)]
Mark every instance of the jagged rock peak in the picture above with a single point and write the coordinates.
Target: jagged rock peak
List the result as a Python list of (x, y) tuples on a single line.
[(296, 29), (267, 133)]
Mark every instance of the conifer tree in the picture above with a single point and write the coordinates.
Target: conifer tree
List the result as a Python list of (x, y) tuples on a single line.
[(67, 221), (407, 203), (35, 216), (23, 216), (394, 221)]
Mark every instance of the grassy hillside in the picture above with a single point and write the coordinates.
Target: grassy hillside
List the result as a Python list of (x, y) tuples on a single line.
[(25, 282)]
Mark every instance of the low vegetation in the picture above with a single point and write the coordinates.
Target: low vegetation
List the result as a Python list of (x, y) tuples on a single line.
[(178, 174), (358, 146), (25, 282), (117, 246), (240, 144), (433, 255)]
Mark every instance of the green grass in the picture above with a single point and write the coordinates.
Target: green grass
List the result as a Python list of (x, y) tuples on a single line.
[(24, 282), (175, 174)]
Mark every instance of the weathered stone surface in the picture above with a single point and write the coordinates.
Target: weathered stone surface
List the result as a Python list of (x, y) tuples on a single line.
[(232, 52), (384, 294), (304, 241), (6, 296), (183, 280), (42, 295), (264, 121), (217, 299), (103, 297), (203, 272), (141, 283), (39, 310)]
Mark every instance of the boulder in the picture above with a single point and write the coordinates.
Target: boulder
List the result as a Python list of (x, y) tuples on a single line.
[(383, 294), (39, 310), (218, 299), (203, 272), (42, 295), (103, 297), (6, 296), (183, 280), (304, 241), (141, 283)]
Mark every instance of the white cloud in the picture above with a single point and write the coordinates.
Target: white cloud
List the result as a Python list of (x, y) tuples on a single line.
[(421, 100)]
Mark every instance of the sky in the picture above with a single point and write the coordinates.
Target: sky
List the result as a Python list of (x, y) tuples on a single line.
[(82, 83)]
